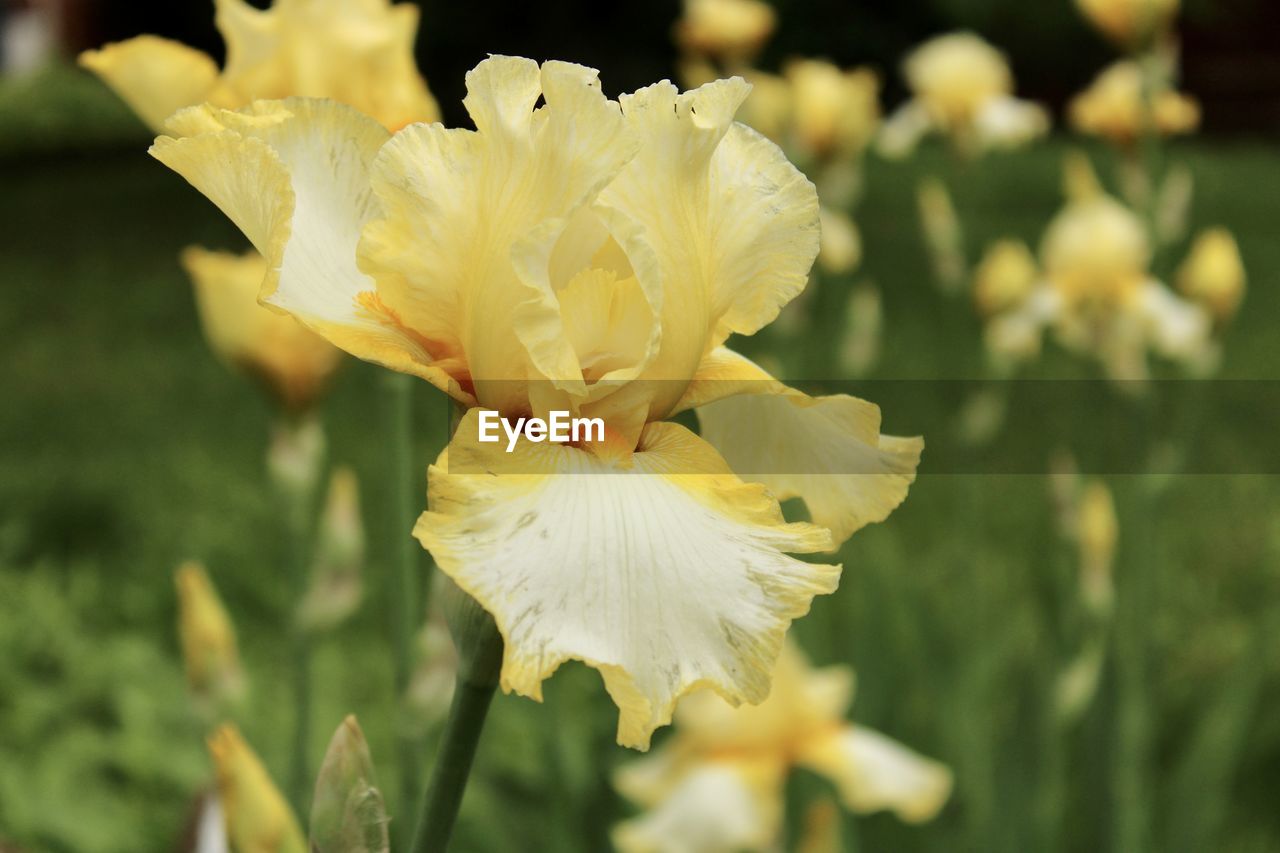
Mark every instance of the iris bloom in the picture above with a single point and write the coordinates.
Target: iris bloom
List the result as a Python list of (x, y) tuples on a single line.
[(1113, 107), (1096, 291), (961, 88), (592, 256), (719, 782), (727, 30), (359, 52), (1129, 22)]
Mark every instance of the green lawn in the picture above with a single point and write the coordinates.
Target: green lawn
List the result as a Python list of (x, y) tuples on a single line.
[(125, 448)]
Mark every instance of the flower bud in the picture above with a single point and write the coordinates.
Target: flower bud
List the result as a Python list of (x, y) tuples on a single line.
[(295, 458), (1097, 532), (336, 574), (864, 317), (348, 814), (1004, 277), (840, 250), (258, 818), (208, 638), (1213, 273), (942, 233)]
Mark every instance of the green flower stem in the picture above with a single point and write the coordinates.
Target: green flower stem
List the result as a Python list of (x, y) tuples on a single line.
[(404, 603), (479, 663)]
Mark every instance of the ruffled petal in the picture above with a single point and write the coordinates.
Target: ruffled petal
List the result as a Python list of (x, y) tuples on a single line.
[(826, 450), (472, 218), (293, 176), (156, 77), (718, 807), (873, 772), (733, 225), (661, 569)]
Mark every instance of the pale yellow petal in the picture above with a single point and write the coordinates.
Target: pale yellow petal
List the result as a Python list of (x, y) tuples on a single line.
[(826, 450), (873, 772), (732, 226), (293, 175), (156, 77), (661, 569), (717, 807), (472, 219)]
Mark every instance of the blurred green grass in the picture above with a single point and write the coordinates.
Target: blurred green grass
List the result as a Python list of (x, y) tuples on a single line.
[(125, 448)]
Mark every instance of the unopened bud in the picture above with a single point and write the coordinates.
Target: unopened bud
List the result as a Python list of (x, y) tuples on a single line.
[(1004, 277), (348, 814), (863, 319), (295, 458), (1097, 532), (208, 638), (1213, 273), (258, 818), (337, 573), (943, 234)]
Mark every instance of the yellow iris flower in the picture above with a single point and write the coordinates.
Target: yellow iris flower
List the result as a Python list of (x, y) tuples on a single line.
[(1129, 22), (728, 30), (963, 89), (1113, 107), (359, 52), (1096, 290), (586, 255), (719, 782)]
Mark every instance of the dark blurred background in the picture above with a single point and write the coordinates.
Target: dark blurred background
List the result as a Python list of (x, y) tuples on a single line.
[(1231, 47)]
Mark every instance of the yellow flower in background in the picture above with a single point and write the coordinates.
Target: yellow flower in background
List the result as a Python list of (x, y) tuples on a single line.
[(727, 30), (1096, 290), (1113, 107), (592, 256), (834, 112), (718, 783), (258, 818), (1004, 277), (961, 88), (207, 636), (1129, 22), (358, 52), (1213, 273), (294, 363)]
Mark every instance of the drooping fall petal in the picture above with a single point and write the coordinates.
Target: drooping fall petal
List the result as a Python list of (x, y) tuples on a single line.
[(662, 569), (156, 77)]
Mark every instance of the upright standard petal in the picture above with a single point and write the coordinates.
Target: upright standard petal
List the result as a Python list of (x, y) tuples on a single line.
[(293, 175), (662, 570), (732, 225), (826, 450), (473, 219), (156, 77)]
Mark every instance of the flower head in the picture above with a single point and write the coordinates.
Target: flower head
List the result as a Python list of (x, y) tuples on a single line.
[(1129, 22), (1213, 273), (962, 88), (1113, 107), (292, 362), (359, 52), (1004, 277), (721, 776), (1096, 290), (592, 256), (835, 112), (727, 30)]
